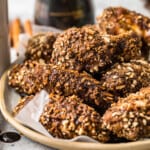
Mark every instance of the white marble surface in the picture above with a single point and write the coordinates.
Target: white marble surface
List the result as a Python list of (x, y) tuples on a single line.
[(23, 144), (25, 9)]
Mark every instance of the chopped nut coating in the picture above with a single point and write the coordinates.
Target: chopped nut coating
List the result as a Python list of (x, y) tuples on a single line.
[(125, 78), (85, 49), (116, 20), (29, 77), (33, 76), (69, 82), (130, 116), (67, 117), (40, 46)]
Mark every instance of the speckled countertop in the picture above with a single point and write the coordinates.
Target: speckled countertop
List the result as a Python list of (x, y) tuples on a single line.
[(18, 8)]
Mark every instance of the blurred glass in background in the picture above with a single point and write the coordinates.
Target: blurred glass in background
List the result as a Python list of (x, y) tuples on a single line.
[(25, 9), (63, 14)]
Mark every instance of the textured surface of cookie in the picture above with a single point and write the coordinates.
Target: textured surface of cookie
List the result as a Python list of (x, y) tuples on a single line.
[(125, 78), (29, 77), (116, 20), (69, 82), (40, 46), (67, 117), (85, 49), (130, 116)]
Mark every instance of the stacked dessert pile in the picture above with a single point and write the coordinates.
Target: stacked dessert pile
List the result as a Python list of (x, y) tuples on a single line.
[(97, 77)]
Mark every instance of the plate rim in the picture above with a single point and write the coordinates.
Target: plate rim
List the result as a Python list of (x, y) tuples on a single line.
[(59, 143)]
